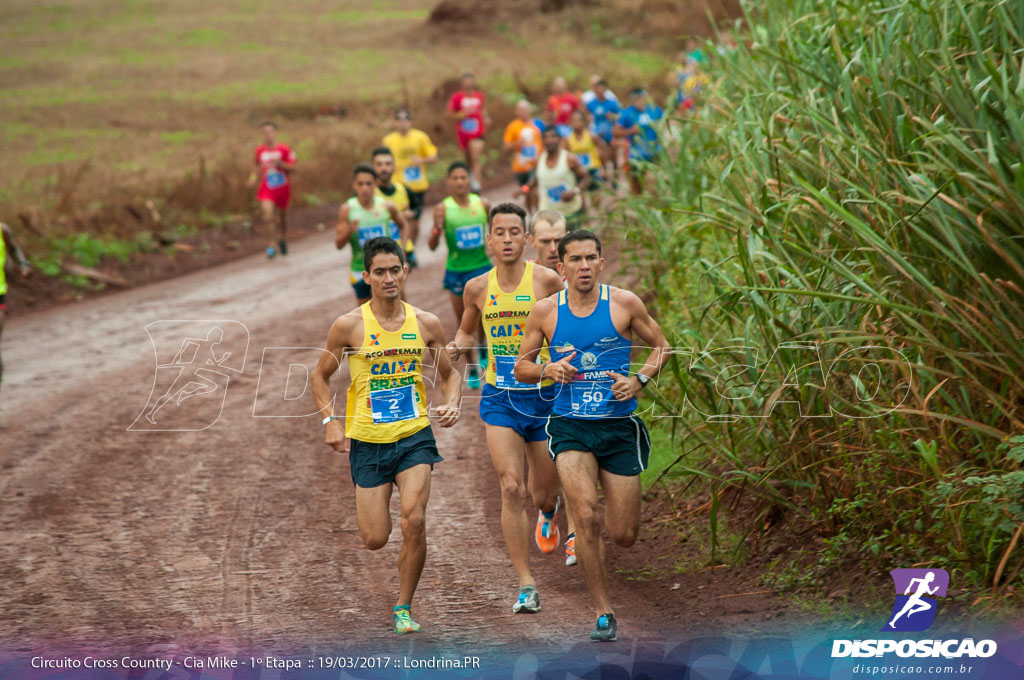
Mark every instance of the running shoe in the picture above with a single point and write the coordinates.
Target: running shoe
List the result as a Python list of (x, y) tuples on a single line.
[(483, 358), (570, 549), (604, 631), (547, 532), (528, 600), (473, 378), (474, 185), (271, 252), (282, 245), (411, 258), (403, 620)]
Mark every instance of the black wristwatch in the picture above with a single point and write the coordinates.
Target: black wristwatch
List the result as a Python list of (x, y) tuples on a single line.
[(643, 380)]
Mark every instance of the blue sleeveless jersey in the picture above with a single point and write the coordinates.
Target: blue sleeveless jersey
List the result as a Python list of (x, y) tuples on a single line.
[(599, 348)]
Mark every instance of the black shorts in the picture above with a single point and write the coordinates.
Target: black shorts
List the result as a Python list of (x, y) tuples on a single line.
[(362, 289), (416, 202), (377, 464), (3, 300), (523, 178), (622, 446)]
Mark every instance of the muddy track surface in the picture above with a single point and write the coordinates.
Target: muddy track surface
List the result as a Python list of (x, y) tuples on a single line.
[(226, 526)]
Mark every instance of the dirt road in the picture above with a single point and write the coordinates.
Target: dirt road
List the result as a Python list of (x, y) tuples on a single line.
[(239, 533)]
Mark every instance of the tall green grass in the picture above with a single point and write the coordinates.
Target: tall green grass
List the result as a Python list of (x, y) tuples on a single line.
[(838, 236)]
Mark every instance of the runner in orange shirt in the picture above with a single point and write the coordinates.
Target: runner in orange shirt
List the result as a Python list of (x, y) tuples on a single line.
[(523, 139)]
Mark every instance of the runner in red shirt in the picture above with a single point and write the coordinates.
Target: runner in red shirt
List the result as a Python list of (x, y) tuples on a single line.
[(467, 108), (274, 165), (560, 106)]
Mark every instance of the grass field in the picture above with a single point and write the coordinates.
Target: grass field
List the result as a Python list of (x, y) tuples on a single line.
[(119, 100)]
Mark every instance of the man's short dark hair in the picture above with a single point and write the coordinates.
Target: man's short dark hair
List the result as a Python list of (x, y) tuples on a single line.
[(456, 165), (578, 235), (364, 168), (378, 245), (602, 82), (381, 151), (507, 208), (270, 123), (403, 113)]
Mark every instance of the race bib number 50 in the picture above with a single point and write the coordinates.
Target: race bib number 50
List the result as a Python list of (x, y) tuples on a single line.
[(592, 399)]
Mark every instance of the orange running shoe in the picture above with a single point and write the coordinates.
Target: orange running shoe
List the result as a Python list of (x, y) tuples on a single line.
[(547, 532), (570, 550)]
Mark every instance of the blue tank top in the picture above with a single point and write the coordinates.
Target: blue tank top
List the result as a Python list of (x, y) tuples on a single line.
[(599, 348)]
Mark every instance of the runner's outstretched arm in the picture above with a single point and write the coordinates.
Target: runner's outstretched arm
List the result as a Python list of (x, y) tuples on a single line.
[(465, 336), (399, 218), (526, 370), (583, 178), (451, 379), (435, 233), (344, 230), (330, 360), (647, 329)]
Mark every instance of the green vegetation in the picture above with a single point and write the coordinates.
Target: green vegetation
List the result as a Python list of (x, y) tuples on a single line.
[(837, 241)]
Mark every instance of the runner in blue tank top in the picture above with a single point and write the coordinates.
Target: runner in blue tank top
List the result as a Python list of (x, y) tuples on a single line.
[(593, 434)]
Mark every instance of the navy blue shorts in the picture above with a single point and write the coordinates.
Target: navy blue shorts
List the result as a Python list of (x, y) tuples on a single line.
[(456, 281), (525, 411), (622, 446), (416, 203), (362, 289), (376, 464)]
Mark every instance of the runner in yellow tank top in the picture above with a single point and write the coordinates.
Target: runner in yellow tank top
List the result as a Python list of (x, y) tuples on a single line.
[(383, 161), (387, 433), (514, 414)]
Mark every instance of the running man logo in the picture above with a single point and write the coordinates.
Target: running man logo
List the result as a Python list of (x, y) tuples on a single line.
[(916, 590), (194, 364)]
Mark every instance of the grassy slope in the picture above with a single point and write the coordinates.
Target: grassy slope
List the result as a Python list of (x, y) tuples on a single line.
[(138, 90)]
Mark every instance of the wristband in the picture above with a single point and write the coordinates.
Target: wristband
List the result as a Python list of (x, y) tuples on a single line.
[(329, 419)]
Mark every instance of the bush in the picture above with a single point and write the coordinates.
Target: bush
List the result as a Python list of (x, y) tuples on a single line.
[(836, 236)]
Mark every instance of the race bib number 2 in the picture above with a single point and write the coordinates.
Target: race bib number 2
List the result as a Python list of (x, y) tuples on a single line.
[(394, 405)]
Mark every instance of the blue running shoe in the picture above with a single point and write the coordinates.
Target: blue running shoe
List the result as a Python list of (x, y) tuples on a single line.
[(528, 600), (271, 252), (604, 631), (473, 378), (403, 621)]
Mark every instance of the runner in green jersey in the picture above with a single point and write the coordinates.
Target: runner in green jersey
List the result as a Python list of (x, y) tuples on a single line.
[(361, 218), (462, 219)]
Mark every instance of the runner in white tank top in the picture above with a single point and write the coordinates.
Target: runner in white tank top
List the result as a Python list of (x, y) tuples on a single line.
[(560, 187)]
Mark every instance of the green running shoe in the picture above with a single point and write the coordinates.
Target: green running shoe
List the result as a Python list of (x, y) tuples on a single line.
[(473, 378), (528, 601), (404, 622), (604, 631)]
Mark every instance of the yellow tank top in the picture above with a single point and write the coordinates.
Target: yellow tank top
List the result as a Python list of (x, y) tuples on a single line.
[(504, 320), (585, 150), (386, 399)]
